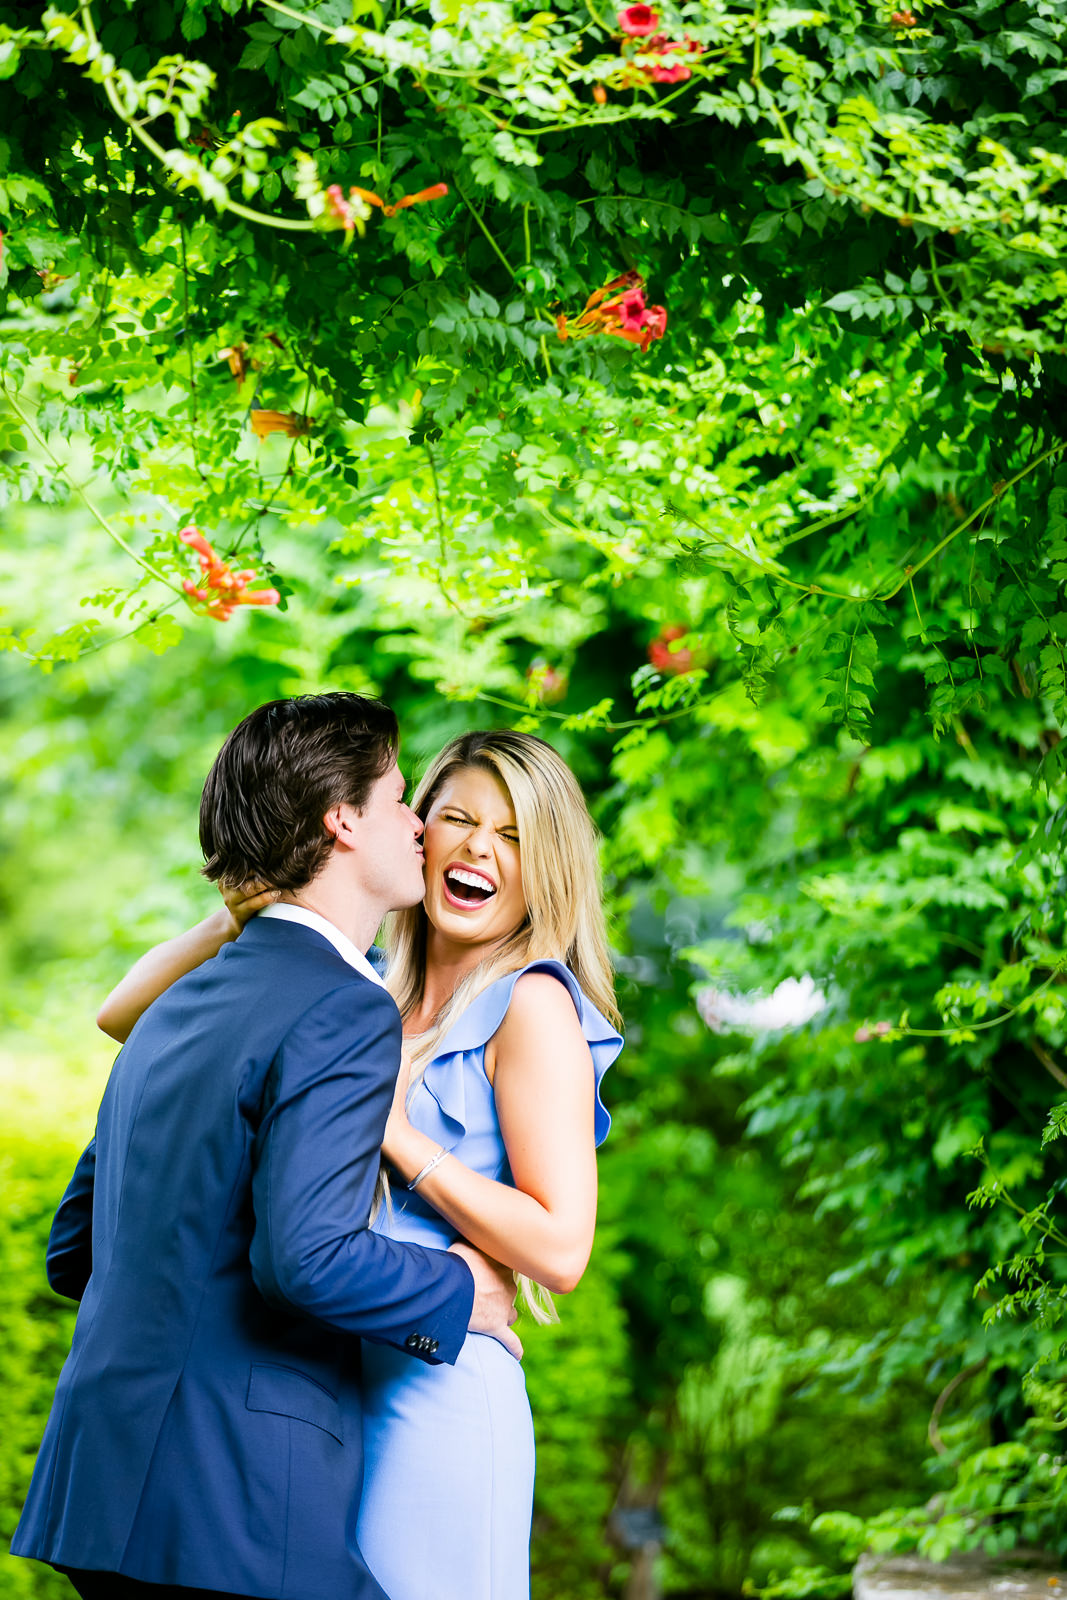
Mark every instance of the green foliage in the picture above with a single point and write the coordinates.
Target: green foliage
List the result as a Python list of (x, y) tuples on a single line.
[(37, 1328), (787, 587), (576, 1375)]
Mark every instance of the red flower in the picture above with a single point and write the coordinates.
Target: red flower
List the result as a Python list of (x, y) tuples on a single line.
[(869, 1031), (546, 683), (676, 74), (652, 325), (663, 658), (638, 21), (667, 72), (623, 315), (632, 311), (337, 206), (656, 322), (221, 590)]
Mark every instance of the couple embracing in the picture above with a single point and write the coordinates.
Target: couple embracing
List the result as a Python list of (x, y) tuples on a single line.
[(293, 1371)]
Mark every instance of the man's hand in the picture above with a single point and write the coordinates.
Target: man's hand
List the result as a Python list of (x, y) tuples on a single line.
[(494, 1298)]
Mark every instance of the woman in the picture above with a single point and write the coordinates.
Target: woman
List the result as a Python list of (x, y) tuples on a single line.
[(503, 980)]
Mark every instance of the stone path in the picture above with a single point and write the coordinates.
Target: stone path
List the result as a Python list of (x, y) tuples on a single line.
[(1021, 1575)]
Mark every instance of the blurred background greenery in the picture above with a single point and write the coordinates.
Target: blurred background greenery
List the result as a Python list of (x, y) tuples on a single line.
[(762, 1368)]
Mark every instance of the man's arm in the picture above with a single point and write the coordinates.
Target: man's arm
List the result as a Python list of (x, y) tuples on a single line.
[(69, 1256), (316, 1164)]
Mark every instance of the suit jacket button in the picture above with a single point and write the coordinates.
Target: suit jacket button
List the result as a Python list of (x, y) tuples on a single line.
[(413, 1340), (433, 1347)]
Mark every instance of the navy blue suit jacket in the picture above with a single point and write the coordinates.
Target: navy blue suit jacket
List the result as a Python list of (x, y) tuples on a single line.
[(206, 1427)]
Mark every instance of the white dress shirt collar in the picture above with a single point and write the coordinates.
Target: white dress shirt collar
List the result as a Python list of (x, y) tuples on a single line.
[(283, 912)]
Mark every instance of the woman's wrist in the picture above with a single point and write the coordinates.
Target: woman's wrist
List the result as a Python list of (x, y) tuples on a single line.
[(222, 926), (439, 1155), (411, 1151)]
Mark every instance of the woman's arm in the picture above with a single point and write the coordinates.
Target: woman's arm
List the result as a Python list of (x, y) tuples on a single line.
[(166, 963), (544, 1088)]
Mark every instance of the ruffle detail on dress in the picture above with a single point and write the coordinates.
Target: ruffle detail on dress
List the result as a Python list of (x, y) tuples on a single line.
[(445, 1077)]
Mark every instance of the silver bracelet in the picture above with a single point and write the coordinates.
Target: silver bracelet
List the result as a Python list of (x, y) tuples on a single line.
[(428, 1168)]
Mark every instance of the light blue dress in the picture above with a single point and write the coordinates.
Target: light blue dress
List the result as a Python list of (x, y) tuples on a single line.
[(449, 1450)]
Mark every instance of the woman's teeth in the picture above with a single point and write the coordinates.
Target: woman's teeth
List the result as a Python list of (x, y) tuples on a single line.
[(470, 887)]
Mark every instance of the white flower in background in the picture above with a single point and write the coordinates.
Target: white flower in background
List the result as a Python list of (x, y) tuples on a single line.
[(794, 1001)]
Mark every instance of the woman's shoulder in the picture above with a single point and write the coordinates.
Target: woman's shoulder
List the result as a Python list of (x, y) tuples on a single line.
[(543, 983), (537, 990), (481, 1019), (546, 977), (485, 1013)]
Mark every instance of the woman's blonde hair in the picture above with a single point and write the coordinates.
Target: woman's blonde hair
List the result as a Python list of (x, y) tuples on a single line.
[(561, 885)]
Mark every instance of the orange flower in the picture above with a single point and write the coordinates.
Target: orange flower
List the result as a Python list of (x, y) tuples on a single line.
[(290, 423), (627, 281), (436, 191), (339, 207), (220, 590), (239, 366)]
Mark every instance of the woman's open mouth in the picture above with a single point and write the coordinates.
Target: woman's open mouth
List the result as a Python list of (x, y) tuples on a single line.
[(465, 887)]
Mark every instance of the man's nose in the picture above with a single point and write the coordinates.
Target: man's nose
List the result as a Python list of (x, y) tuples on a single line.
[(416, 822)]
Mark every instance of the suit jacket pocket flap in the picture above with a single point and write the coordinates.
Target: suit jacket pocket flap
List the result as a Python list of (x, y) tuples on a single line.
[(289, 1393)]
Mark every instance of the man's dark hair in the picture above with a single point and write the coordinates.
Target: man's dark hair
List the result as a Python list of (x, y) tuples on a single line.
[(277, 775)]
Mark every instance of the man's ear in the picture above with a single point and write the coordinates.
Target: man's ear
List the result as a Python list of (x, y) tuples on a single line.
[(339, 822)]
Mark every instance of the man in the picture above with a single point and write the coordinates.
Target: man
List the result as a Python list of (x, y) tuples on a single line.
[(205, 1434)]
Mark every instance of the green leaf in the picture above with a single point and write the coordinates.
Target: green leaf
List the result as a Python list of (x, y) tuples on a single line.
[(764, 228)]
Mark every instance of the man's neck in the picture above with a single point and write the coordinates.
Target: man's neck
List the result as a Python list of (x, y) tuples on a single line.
[(335, 900)]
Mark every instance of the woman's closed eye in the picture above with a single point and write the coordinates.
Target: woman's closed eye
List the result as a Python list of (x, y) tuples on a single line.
[(469, 822)]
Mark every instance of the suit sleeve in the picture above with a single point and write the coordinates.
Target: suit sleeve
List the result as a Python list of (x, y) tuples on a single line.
[(315, 1166), (69, 1255)]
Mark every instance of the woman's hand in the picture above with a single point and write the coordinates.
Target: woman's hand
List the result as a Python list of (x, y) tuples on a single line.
[(398, 1129), (243, 902)]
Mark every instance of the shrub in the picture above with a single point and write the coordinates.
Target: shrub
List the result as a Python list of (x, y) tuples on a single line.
[(37, 1327)]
